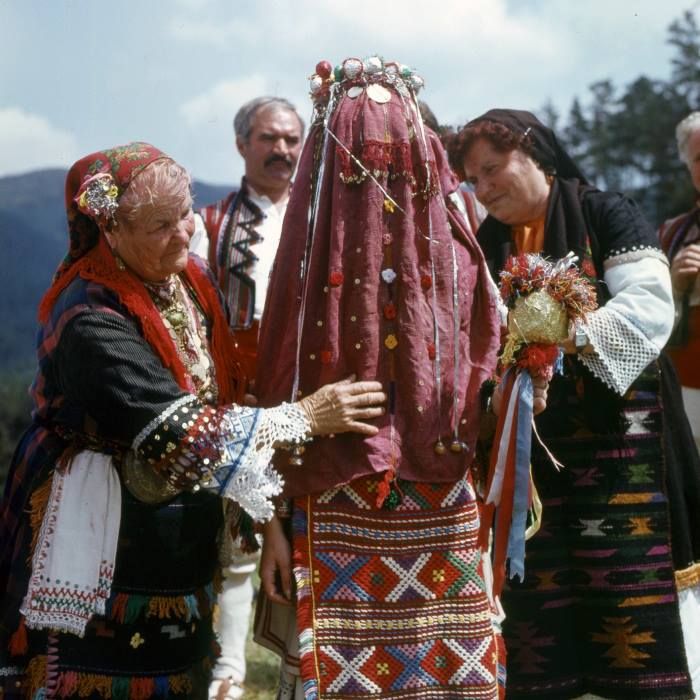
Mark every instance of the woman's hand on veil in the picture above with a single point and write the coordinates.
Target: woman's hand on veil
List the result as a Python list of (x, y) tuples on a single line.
[(343, 406)]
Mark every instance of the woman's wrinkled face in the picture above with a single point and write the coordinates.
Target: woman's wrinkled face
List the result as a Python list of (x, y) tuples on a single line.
[(508, 183), (156, 245), (693, 150)]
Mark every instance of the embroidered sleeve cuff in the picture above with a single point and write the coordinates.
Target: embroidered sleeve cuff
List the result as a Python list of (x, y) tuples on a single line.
[(228, 450), (249, 477), (621, 350), (621, 256)]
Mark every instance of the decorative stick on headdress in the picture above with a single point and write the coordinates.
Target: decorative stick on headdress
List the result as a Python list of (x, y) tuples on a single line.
[(377, 275)]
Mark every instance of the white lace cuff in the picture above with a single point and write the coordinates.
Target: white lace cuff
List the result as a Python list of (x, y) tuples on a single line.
[(622, 351), (247, 475)]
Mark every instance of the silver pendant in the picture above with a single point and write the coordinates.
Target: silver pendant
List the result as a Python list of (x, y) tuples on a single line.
[(378, 93)]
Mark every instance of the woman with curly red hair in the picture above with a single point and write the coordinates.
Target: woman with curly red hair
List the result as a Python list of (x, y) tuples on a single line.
[(598, 611)]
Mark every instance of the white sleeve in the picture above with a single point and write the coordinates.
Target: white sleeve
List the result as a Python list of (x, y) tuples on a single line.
[(632, 328), (199, 243)]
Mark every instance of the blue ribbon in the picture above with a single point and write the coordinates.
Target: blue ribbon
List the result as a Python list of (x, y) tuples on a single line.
[(523, 440), (559, 363)]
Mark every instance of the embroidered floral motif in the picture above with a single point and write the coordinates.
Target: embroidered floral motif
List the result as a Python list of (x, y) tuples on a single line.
[(98, 196), (137, 640), (391, 341), (335, 279), (388, 275), (389, 311)]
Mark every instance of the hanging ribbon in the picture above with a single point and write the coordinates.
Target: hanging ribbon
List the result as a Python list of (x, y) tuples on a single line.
[(522, 495), (509, 488)]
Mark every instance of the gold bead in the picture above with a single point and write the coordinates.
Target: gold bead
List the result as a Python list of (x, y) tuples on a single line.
[(456, 446), (440, 448)]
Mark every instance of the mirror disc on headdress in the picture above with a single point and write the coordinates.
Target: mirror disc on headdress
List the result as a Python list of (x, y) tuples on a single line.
[(378, 93)]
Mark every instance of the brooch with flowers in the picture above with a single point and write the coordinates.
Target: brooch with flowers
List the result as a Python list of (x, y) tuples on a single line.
[(98, 196)]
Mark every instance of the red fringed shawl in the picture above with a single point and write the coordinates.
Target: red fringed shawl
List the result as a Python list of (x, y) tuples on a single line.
[(99, 265)]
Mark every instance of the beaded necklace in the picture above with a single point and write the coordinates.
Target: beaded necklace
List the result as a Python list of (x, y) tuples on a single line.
[(186, 325)]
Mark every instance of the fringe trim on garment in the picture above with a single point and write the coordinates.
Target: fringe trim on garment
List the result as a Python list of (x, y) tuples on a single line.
[(687, 578), (127, 608), (35, 675), (389, 160), (382, 159), (71, 683)]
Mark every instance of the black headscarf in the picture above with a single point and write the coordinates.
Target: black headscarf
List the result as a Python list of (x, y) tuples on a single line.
[(565, 226), (565, 230), (548, 152)]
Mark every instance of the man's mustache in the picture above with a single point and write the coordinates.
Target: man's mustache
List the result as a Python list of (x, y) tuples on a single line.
[(275, 158)]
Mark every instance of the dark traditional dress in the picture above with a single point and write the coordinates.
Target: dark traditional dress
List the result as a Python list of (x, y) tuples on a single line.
[(598, 611)]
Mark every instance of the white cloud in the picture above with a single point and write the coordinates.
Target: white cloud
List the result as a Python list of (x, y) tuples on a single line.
[(29, 141), (220, 102), (371, 25), (194, 5), (461, 21), (211, 33)]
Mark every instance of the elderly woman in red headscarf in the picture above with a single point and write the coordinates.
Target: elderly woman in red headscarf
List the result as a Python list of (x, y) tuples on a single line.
[(113, 502), (598, 611)]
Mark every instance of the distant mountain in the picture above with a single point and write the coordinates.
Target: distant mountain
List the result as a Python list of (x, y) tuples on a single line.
[(34, 239)]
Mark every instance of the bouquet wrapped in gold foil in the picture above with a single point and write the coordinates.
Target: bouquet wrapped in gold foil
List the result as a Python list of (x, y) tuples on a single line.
[(543, 299)]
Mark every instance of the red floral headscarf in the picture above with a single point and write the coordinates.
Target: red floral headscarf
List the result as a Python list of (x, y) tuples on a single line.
[(94, 185)]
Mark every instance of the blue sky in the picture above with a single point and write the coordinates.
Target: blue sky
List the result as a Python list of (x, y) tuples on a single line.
[(80, 75)]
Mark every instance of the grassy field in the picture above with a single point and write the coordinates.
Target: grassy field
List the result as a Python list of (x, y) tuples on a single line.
[(263, 670)]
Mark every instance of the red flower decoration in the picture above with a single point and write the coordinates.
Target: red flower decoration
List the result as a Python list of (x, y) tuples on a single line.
[(326, 356), (538, 358), (336, 278), (426, 281), (389, 311), (431, 351), (588, 268)]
